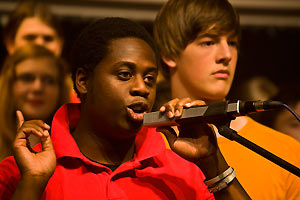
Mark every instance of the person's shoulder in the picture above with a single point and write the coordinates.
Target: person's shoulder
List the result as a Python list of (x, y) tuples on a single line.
[(9, 177), (8, 166), (9, 171), (271, 134), (274, 141)]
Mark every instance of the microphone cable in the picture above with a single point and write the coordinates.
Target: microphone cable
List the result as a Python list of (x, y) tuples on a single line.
[(291, 111)]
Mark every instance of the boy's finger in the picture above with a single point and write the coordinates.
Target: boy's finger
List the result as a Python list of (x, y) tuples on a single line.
[(20, 118), (46, 142), (169, 133)]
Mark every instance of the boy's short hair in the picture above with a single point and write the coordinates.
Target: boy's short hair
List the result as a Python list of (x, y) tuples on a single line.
[(28, 9), (179, 22), (93, 43)]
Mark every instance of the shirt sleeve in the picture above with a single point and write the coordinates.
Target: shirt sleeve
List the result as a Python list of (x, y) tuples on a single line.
[(9, 178)]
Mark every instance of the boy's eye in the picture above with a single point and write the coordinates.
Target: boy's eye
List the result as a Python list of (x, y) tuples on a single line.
[(206, 43), (232, 43), (30, 37), (124, 75), (150, 79), (48, 38)]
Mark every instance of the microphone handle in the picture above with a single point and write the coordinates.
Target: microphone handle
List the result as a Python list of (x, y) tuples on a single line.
[(212, 113), (207, 114)]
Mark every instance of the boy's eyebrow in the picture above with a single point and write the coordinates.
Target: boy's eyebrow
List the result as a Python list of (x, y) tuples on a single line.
[(215, 35), (212, 35), (152, 69), (127, 63), (132, 66)]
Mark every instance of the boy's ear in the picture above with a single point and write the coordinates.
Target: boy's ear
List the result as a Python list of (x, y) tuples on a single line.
[(59, 47), (169, 61), (9, 46), (82, 80)]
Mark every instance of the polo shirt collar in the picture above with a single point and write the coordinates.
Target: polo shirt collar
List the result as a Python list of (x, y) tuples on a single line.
[(149, 143)]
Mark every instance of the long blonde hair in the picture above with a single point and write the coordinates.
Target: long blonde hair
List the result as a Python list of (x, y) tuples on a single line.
[(8, 126)]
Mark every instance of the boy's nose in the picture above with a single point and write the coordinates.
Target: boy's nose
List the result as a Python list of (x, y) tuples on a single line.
[(139, 87), (224, 53)]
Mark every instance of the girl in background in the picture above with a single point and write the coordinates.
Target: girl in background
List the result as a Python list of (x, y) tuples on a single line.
[(32, 80)]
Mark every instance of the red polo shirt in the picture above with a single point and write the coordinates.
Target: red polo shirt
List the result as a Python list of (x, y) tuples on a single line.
[(154, 173)]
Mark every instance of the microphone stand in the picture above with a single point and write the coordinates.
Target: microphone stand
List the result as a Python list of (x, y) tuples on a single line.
[(224, 130)]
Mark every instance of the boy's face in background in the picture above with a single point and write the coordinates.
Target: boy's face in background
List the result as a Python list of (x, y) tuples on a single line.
[(206, 67), (286, 123), (122, 87), (34, 30)]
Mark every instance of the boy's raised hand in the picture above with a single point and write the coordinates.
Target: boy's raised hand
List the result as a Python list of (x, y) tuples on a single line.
[(34, 165)]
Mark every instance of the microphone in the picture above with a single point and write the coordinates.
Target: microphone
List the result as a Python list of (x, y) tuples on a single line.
[(212, 113)]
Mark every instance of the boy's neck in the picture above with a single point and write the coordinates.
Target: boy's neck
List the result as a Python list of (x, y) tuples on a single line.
[(103, 149), (179, 90), (236, 124)]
